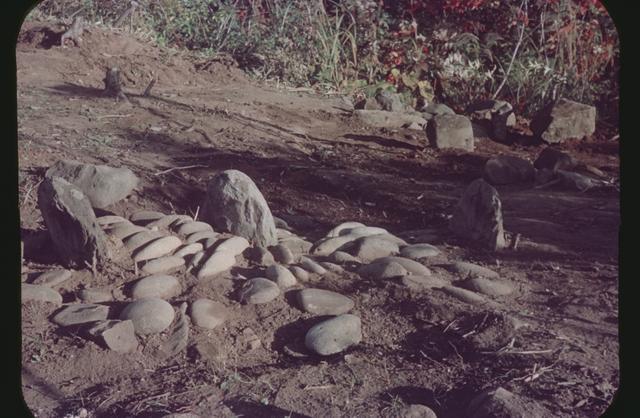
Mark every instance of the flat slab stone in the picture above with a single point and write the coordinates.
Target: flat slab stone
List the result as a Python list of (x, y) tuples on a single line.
[(418, 251), (143, 217), (201, 236), (281, 276), (53, 277), (335, 232), (124, 230), (334, 335), (169, 220), (156, 286), (450, 131), (259, 290), (369, 248), (149, 316), (324, 302), (156, 248), (491, 287), (282, 254), (341, 257), (39, 293), (206, 313), (107, 220), (95, 295), (166, 264), (466, 270), (234, 245), (138, 239), (300, 273), (218, 262), (334, 268), (187, 228), (188, 249), (81, 313), (118, 336)]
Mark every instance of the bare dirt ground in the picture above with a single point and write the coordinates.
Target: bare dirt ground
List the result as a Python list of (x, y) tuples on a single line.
[(316, 167)]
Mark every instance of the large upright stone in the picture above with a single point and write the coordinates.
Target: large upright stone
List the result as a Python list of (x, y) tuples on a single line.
[(71, 222), (103, 185), (563, 120), (235, 204), (450, 131), (478, 216)]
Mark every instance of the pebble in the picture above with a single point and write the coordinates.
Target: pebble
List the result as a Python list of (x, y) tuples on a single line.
[(334, 335), (259, 290), (118, 336), (169, 220), (334, 268), (135, 241), (164, 264), (149, 316), (39, 293), (217, 262), (311, 266), (465, 270), (234, 245), (143, 217), (206, 313), (491, 287), (81, 313), (300, 273), (156, 286), (418, 251), (281, 276), (464, 295), (259, 255), (201, 236), (187, 228), (95, 295), (188, 249), (341, 257), (282, 254), (335, 232), (423, 282), (123, 230), (53, 277), (324, 302), (156, 248)]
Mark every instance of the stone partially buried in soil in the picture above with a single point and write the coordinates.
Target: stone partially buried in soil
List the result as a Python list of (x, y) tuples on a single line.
[(418, 251), (206, 313), (466, 270), (334, 335), (39, 293), (324, 302), (80, 313), (300, 273), (218, 262), (504, 404), (507, 169), (478, 216), (118, 336), (370, 248), (72, 224), (149, 316), (103, 185), (166, 264), (156, 286), (489, 287), (234, 204), (465, 295), (554, 159), (423, 282), (259, 290), (53, 277)]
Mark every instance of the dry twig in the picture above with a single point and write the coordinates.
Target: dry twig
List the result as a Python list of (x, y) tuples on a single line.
[(179, 168)]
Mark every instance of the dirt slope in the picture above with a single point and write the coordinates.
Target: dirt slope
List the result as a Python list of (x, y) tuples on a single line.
[(316, 168)]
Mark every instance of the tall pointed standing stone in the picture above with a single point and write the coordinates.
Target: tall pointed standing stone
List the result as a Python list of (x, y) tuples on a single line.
[(478, 216), (234, 204)]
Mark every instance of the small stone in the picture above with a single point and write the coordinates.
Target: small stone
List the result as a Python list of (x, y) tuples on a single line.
[(417, 411), (149, 316), (282, 254), (437, 109), (423, 282), (311, 266), (81, 313), (296, 245), (144, 217), (208, 314), (564, 120), (450, 131), (156, 286), (124, 230), (466, 270), (39, 293), (156, 248), (281, 276), (418, 251), (95, 295), (259, 255), (166, 264), (488, 286), (326, 246), (53, 278), (334, 268), (188, 249), (188, 228), (324, 302), (234, 245), (300, 273), (464, 295), (259, 290), (341, 257), (334, 335), (118, 336), (201, 236)]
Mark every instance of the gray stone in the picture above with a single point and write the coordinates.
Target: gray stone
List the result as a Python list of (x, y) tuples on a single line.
[(53, 277), (506, 169), (235, 204), (369, 103), (335, 232), (217, 262), (300, 273), (324, 302), (139, 239), (169, 220), (450, 131), (72, 224), (478, 216), (103, 185), (576, 181), (334, 268), (282, 254), (341, 257), (281, 223), (326, 246), (553, 160), (107, 221), (417, 411), (488, 286), (501, 403), (391, 102), (363, 231), (389, 120), (149, 316), (156, 286), (311, 266), (466, 270), (259, 255), (464, 295), (118, 336), (188, 250), (95, 295), (233, 245), (334, 335), (370, 248), (418, 251), (410, 266), (296, 245), (81, 313), (39, 293), (564, 120), (144, 217), (201, 236), (281, 276), (166, 264), (259, 290), (124, 230), (423, 282), (436, 109), (382, 270), (206, 313), (156, 248), (191, 227)]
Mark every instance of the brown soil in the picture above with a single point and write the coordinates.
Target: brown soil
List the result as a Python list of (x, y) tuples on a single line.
[(316, 168)]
